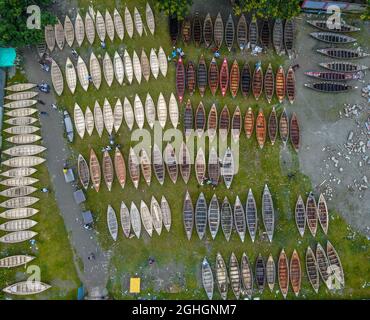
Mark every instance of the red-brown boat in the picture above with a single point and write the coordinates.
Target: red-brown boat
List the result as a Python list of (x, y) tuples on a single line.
[(180, 79), (186, 30), (188, 119), (95, 171), (295, 273), (269, 83), (213, 76), (311, 213), (249, 123), (236, 124), (280, 84), (224, 77), (224, 124), (273, 126), (290, 85), (284, 127), (120, 167), (202, 76), (257, 82), (261, 129), (283, 273), (108, 171), (234, 79), (212, 123), (245, 81), (295, 132), (190, 77)]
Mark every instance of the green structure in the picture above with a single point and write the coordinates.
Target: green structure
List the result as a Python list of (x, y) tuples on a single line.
[(7, 57)]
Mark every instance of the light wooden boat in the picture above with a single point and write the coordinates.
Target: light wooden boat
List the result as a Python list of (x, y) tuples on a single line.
[(224, 77), (188, 122), (201, 212), (236, 124), (71, 76), (273, 126), (146, 218), (89, 121), (118, 24), (108, 170), (221, 276), (246, 276), (108, 69), (235, 276), (278, 37), (79, 30), (322, 213), (269, 83), (145, 65), (261, 129), (173, 110), (129, 71), (150, 110), (125, 218), (26, 288), (207, 279), (158, 164), (89, 28), (50, 37), (100, 26), (129, 23), (251, 215), (117, 115), (19, 172), (188, 215), (109, 25), (312, 269), (234, 79), (19, 181), (135, 220), (119, 70), (22, 129), (79, 120), (208, 30), (239, 219), (300, 216), (284, 127), (56, 78), (95, 171), (133, 168), (128, 114), (214, 170), (162, 60), (24, 150), (83, 171), (280, 84), (138, 22), (18, 213), (112, 222), (224, 124), (227, 222), (16, 260), (22, 112), (180, 79), (69, 31), (21, 87), (268, 213), (156, 213), (18, 236), (108, 116), (29, 161), (120, 167), (166, 213), (139, 112), (162, 110), (335, 263), (295, 273), (25, 95), (154, 63), (146, 168), (200, 166), (171, 162), (283, 273), (323, 266), (185, 162), (227, 170), (212, 123), (229, 32), (19, 202), (311, 214), (83, 73), (18, 191), (17, 225), (150, 21), (214, 216), (95, 70), (98, 119), (190, 80), (218, 35), (200, 119), (270, 273), (137, 66)]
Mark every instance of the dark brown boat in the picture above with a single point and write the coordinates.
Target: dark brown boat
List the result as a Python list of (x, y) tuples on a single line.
[(212, 123), (208, 31), (261, 128), (265, 34), (251, 215), (295, 273), (284, 127), (174, 28), (331, 75), (312, 269), (190, 77), (260, 272), (329, 87), (186, 31), (226, 218), (324, 266), (273, 126), (134, 168), (300, 216), (295, 137), (323, 214), (202, 76), (197, 29), (343, 53), (213, 76), (290, 85), (247, 275), (280, 84), (188, 215), (249, 123), (289, 37), (242, 33), (311, 214), (234, 79), (269, 84), (185, 162), (200, 166), (236, 124), (283, 273), (253, 33), (213, 166), (200, 120), (245, 81), (83, 171), (342, 66), (278, 36), (158, 164), (218, 31), (108, 170), (331, 37), (224, 77), (171, 162), (229, 32), (323, 25), (180, 79), (335, 263), (188, 120), (257, 82), (201, 212), (224, 124)]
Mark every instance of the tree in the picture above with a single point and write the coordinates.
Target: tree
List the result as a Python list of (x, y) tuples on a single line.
[(179, 8), (366, 14), (13, 26)]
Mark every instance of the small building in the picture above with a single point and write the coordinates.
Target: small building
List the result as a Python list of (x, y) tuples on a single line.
[(311, 6), (87, 218), (7, 57), (68, 175), (79, 196), (134, 285)]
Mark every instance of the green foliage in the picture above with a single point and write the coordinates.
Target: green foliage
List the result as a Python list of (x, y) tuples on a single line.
[(13, 27), (177, 7), (366, 14)]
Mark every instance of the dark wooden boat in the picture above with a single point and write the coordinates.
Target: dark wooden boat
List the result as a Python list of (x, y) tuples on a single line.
[(270, 272), (283, 273), (224, 77), (188, 215), (227, 169), (261, 128), (268, 214), (300, 216), (246, 275), (229, 32), (260, 272), (208, 31), (191, 77), (213, 76), (265, 34), (324, 266), (200, 120), (202, 76), (213, 166), (312, 269), (212, 123), (269, 84), (188, 120), (226, 218), (180, 79), (174, 28), (251, 215), (158, 164), (245, 81), (290, 85), (171, 162), (239, 219), (280, 84), (224, 125), (120, 167), (95, 171), (322, 25), (334, 262), (289, 37), (201, 212), (83, 171), (331, 37), (134, 168), (257, 82), (234, 274), (218, 30), (278, 37), (340, 66), (331, 75), (323, 214), (185, 162), (234, 79), (284, 127), (200, 166), (214, 216), (207, 279), (186, 30), (253, 33), (197, 29), (329, 87), (343, 53), (311, 214), (295, 273), (242, 33), (294, 129), (108, 170), (221, 276), (236, 124), (273, 126)]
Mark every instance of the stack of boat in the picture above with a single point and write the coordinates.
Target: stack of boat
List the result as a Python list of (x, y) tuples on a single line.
[(218, 214), (95, 24), (24, 155), (339, 70), (284, 273), (152, 218)]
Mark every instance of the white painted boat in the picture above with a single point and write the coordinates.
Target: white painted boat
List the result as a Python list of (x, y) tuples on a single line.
[(56, 78), (162, 59), (89, 121), (95, 70), (119, 70), (20, 191), (19, 172), (16, 260), (25, 95), (18, 213), (227, 169), (138, 22), (21, 112), (21, 87), (29, 161), (50, 37), (112, 223), (19, 202), (18, 236), (129, 23), (150, 21), (21, 121), (154, 64), (71, 76), (59, 34), (162, 110), (125, 220), (118, 24), (146, 218), (137, 66), (26, 288), (98, 118), (108, 116), (156, 213), (79, 120), (89, 28), (24, 150), (17, 225), (145, 65), (117, 115), (128, 67), (19, 181), (128, 113), (108, 69), (20, 104), (173, 109), (135, 220), (79, 30), (69, 31), (166, 213), (22, 129), (150, 110), (100, 26), (139, 112), (24, 138), (83, 73), (109, 25)]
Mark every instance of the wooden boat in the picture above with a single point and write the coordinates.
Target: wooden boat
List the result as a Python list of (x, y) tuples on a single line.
[(129, 23), (83, 73), (335, 263), (21, 112), (149, 17), (236, 124), (69, 31), (17, 236), (290, 85), (154, 63), (118, 24), (137, 66), (202, 76), (20, 191), (156, 213), (16, 260), (214, 216), (280, 84), (29, 161), (166, 213), (56, 78), (108, 116), (331, 37), (283, 273), (19, 202), (268, 214), (242, 33), (229, 32), (201, 216), (19, 181), (227, 169), (200, 166), (331, 87), (295, 273), (212, 123), (221, 276), (188, 121), (343, 53), (188, 215), (253, 33), (145, 165), (138, 22), (186, 30), (174, 28), (323, 266), (300, 216), (269, 83), (162, 110), (214, 169), (100, 26), (251, 215), (135, 220), (118, 67), (24, 150), (218, 35), (20, 87), (311, 214), (270, 273), (158, 164), (108, 170), (109, 25), (95, 70), (343, 66), (273, 126), (79, 120), (145, 66), (261, 128), (18, 213), (190, 77), (185, 162), (50, 37), (323, 214), (71, 76), (112, 222), (197, 29), (289, 37), (23, 138), (83, 171), (312, 269), (260, 273), (207, 278), (120, 167), (125, 219), (21, 121), (295, 132), (139, 111), (173, 110), (162, 60), (23, 99), (41, 49), (200, 119), (249, 123), (108, 69), (21, 130), (208, 30), (226, 218), (245, 80), (133, 168), (150, 110), (284, 127), (95, 172), (128, 114), (171, 162), (19, 172), (146, 218), (117, 115), (265, 35), (213, 76), (234, 79), (246, 276), (235, 276), (180, 79), (129, 70), (79, 30), (224, 77), (331, 76), (239, 219), (26, 288), (278, 37), (89, 28), (98, 118), (257, 82), (323, 25), (224, 124)]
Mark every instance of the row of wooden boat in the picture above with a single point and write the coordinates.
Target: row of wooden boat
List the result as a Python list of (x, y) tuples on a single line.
[(27, 287), (190, 77), (96, 24), (152, 218)]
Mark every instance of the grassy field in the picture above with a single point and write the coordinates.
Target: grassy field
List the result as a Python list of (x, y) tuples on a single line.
[(176, 272)]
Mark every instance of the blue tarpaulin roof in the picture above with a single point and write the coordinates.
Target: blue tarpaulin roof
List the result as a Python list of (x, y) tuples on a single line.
[(7, 57)]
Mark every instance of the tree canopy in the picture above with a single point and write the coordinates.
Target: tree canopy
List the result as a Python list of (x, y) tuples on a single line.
[(13, 26), (179, 8)]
